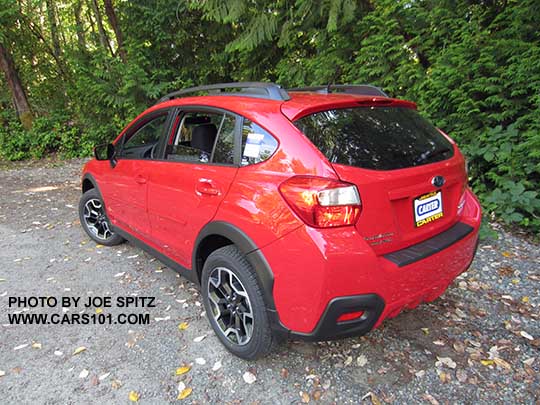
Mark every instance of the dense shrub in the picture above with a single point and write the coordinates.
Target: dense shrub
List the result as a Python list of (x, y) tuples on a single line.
[(472, 66)]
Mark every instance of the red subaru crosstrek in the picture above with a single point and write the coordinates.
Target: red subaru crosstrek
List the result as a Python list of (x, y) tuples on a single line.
[(313, 213)]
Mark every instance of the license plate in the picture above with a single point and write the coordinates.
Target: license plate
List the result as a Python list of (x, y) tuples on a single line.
[(428, 208)]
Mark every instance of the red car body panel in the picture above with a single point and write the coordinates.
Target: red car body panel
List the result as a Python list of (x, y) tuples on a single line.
[(160, 202)]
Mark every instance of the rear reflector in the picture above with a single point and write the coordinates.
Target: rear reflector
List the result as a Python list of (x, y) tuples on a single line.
[(322, 202), (350, 316)]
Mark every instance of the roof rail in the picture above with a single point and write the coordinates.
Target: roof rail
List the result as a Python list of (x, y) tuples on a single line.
[(270, 91), (360, 89)]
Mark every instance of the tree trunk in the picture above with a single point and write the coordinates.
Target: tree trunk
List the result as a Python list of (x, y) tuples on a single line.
[(53, 23), (111, 15), (79, 27), (99, 21), (20, 101)]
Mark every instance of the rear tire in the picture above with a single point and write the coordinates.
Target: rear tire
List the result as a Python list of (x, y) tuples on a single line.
[(234, 304), (94, 219)]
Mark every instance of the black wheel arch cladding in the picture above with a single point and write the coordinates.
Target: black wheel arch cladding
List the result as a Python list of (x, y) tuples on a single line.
[(244, 243)]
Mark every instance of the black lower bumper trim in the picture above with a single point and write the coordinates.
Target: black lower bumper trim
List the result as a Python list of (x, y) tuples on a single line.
[(329, 328), (431, 246)]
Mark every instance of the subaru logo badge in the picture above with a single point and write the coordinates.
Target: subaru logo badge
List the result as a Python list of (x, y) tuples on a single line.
[(438, 181)]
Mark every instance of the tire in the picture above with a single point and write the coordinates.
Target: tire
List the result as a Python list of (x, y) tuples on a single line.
[(222, 263), (97, 225)]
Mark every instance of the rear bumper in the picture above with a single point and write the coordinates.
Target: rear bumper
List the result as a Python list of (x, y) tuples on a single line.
[(321, 274), (329, 328)]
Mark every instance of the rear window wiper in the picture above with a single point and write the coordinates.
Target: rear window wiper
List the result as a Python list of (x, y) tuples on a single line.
[(431, 154)]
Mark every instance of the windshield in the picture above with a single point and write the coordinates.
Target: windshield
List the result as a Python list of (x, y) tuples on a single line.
[(379, 138)]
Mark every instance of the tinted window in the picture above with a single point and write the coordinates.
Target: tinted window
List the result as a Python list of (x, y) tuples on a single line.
[(140, 143), (380, 138), (202, 137), (257, 144)]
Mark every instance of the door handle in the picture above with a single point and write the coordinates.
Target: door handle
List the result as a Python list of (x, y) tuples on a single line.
[(205, 186), (140, 179)]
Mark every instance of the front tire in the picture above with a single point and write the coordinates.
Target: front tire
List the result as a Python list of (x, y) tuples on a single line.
[(94, 219), (234, 304)]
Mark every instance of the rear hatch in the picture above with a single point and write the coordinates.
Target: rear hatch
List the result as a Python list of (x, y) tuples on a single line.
[(409, 175)]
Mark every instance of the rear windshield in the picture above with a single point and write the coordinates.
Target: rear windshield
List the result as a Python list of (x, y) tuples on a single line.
[(379, 138)]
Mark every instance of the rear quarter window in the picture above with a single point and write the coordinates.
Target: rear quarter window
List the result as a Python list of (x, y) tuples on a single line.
[(257, 144), (378, 138)]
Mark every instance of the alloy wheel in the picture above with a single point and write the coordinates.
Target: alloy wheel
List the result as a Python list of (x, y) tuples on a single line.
[(230, 305), (96, 220)]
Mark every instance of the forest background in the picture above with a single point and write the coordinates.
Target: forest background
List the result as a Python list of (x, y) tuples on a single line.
[(76, 71)]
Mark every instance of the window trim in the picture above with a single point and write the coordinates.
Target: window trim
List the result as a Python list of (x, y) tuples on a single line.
[(137, 125), (212, 110), (240, 152)]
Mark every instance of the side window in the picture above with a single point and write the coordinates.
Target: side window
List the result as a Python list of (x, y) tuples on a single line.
[(257, 144), (202, 137), (142, 143)]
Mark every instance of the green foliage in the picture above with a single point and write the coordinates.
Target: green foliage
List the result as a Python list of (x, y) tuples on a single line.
[(472, 66), (505, 174)]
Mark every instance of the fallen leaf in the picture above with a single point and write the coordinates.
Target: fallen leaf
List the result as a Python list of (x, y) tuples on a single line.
[(104, 376), (459, 347), (361, 361), (94, 381), (447, 361), (425, 330), (316, 395), (305, 397), (506, 254), (182, 370), (461, 375), (526, 335), (84, 373), (99, 310), (199, 339), (348, 361), (186, 392), (502, 363), (430, 399), (444, 377), (183, 326), (217, 365), (529, 361), (374, 398), (134, 396), (487, 362), (79, 350), (249, 377), (525, 299), (36, 345), (115, 384)]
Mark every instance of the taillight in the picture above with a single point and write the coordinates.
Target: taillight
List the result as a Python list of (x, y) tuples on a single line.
[(321, 202)]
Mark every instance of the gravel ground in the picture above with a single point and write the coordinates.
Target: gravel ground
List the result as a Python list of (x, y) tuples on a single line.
[(479, 342)]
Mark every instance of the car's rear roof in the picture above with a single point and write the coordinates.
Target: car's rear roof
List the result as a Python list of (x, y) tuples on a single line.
[(305, 103), (299, 105)]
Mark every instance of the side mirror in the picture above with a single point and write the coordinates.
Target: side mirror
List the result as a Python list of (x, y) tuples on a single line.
[(106, 151)]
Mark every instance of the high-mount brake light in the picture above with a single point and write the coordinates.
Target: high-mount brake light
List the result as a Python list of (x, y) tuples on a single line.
[(322, 202)]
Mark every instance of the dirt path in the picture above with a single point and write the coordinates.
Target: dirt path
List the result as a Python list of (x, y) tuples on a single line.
[(478, 343)]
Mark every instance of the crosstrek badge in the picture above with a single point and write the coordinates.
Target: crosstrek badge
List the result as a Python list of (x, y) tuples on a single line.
[(428, 208)]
